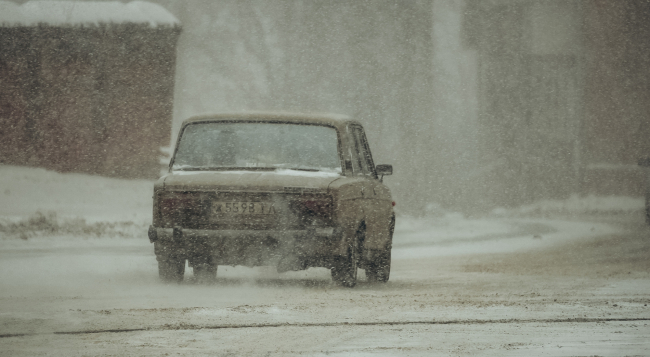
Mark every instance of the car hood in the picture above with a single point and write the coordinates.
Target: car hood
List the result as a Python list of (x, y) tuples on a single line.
[(278, 180)]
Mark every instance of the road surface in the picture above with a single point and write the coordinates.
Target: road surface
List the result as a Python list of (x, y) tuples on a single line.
[(492, 287)]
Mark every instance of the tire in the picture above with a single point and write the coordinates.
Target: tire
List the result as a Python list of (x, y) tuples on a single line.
[(344, 271), (378, 271), (171, 270), (205, 273)]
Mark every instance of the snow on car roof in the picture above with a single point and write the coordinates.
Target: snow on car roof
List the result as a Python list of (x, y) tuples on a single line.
[(77, 13), (313, 118)]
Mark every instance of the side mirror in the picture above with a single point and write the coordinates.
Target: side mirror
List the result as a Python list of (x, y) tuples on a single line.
[(384, 170)]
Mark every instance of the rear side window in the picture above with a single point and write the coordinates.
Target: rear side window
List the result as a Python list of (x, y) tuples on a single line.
[(364, 157)]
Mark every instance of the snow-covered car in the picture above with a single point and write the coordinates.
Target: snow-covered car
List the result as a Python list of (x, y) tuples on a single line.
[(287, 190)]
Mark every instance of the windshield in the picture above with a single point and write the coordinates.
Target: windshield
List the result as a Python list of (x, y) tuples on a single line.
[(219, 146)]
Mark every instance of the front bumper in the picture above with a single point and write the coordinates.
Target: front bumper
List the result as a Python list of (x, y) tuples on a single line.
[(250, 247), (285, 249)]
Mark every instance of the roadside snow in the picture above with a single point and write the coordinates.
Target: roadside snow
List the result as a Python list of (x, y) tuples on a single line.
[(486, 236), (37, 202), (537, 225), (575, 205)]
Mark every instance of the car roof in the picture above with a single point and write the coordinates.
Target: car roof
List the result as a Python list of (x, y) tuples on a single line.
[(335, 120)]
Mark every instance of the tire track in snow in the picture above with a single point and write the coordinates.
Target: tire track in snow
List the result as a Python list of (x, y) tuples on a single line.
[(335, 324)]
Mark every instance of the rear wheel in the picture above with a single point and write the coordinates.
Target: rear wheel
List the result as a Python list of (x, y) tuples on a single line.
[(171, 269), (379, 269), (344, 271), (205, 273)]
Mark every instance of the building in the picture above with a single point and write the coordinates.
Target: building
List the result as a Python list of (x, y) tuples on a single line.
[(86, 86), (564, 96)]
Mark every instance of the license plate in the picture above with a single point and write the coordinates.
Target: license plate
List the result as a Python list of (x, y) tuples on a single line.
[(244, 208)]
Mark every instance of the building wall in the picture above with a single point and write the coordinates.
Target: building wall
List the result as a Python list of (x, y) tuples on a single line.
[(617, 95), (14, 103), (563, 96), (530, 86), (87, 99)]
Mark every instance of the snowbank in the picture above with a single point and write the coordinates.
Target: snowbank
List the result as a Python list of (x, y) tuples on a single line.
[(37, 202), (575, 206)]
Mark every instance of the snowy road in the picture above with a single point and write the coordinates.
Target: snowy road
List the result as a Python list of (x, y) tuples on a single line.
[(102, 297), (458, 287)]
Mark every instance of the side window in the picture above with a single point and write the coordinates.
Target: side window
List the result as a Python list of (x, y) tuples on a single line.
[(364, 157), (353, 151)]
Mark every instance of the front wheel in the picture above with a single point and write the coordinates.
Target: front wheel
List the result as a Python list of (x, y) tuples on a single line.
[(378, 268)]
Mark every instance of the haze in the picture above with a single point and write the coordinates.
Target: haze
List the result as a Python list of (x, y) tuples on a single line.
[(515, 129)]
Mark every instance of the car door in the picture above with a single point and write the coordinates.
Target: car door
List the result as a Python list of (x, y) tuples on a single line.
[(377, 202)]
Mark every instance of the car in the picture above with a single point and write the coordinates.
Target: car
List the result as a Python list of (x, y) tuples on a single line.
[(288, 190)]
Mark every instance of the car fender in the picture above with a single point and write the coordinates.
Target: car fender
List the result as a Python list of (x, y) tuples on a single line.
[(348, 208), (378, 225)]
